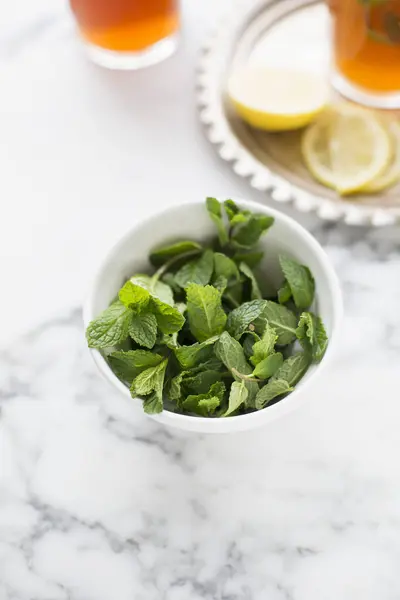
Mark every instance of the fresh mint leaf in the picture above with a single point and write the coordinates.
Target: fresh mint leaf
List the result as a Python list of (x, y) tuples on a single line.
[(169, 319), (169, 280), (205, 404), (127, 365), (200, 383), (231, 353), (143, 329), (247, 272), (300, 281), (197, 271), (134, 296), (284, 293), (190, 356), (265, 346), (248, 343), (152, 379), (220, 284), (281, 319), (161, 255), (252, 259), (240, 318), (247, 234), (234, 293), (111, 327), (274, 388), (169, 340), (268, 366), (153, 404), (175, 387), (293, 368), (215, 212), (237, 397), (157, 289), (225, 267), (205, 314), (231, 209), (312, 335)]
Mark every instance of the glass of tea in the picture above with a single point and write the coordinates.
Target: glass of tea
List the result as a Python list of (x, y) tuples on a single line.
[(127, 34), (366, 51)]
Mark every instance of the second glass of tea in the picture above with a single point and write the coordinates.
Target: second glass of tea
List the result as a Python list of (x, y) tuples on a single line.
[(127, 34), (366, 49)]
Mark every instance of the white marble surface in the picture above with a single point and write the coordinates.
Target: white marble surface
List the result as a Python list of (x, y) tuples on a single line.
[(96, 501)]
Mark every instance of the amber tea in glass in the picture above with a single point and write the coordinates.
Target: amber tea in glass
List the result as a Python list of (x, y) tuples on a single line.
[(366, 50), (127, 34)]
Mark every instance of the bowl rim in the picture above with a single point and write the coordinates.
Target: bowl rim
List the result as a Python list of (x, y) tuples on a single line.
[(274, 411)]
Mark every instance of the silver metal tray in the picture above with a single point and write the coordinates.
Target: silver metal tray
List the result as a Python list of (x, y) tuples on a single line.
[(283, 33)]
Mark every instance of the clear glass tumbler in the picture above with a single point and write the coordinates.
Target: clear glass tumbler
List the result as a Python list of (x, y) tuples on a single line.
[(366, 51), (127, 34)]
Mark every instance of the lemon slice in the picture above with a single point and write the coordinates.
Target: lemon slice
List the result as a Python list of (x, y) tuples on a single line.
[(277, 99), (347, 148), (391, 174)]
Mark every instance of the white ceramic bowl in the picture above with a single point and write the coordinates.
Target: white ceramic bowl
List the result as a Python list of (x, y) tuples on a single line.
[(191, 221)]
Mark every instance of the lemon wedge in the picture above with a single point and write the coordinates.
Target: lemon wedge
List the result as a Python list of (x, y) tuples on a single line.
[(391, 174), (347, 148), (277, 99)]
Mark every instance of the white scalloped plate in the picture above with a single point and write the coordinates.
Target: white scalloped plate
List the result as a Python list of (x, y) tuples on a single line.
[(277, 32)]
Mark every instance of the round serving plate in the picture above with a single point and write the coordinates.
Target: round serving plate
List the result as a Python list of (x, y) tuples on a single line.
[(292, 33)]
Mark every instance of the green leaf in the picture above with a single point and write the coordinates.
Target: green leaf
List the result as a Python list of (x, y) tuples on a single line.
[(127, 365), (197, 271), (157, 289), (247, 272), (225, 267), (111, 327), (190, 356), (293, 368), (153, 404), (205, 404), (220, 283), (175, 387), (205, 314), (169, 280), (161, 255), (252, 259), (231, 209), (248, 342), (134, 296), (238, 396), (169, 318), (281, 319), (312, 335), (271, 390), (300, 281), (169, 340), (284, 293), (234, 293), (231, 353), (265, 346), (268, 366), (150, 380), (143, 329), (240, 318), (200, 383), (247, 234), (215, 212)]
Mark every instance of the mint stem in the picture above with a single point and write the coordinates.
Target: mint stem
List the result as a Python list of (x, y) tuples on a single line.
[(165, 267), (245, 377)]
